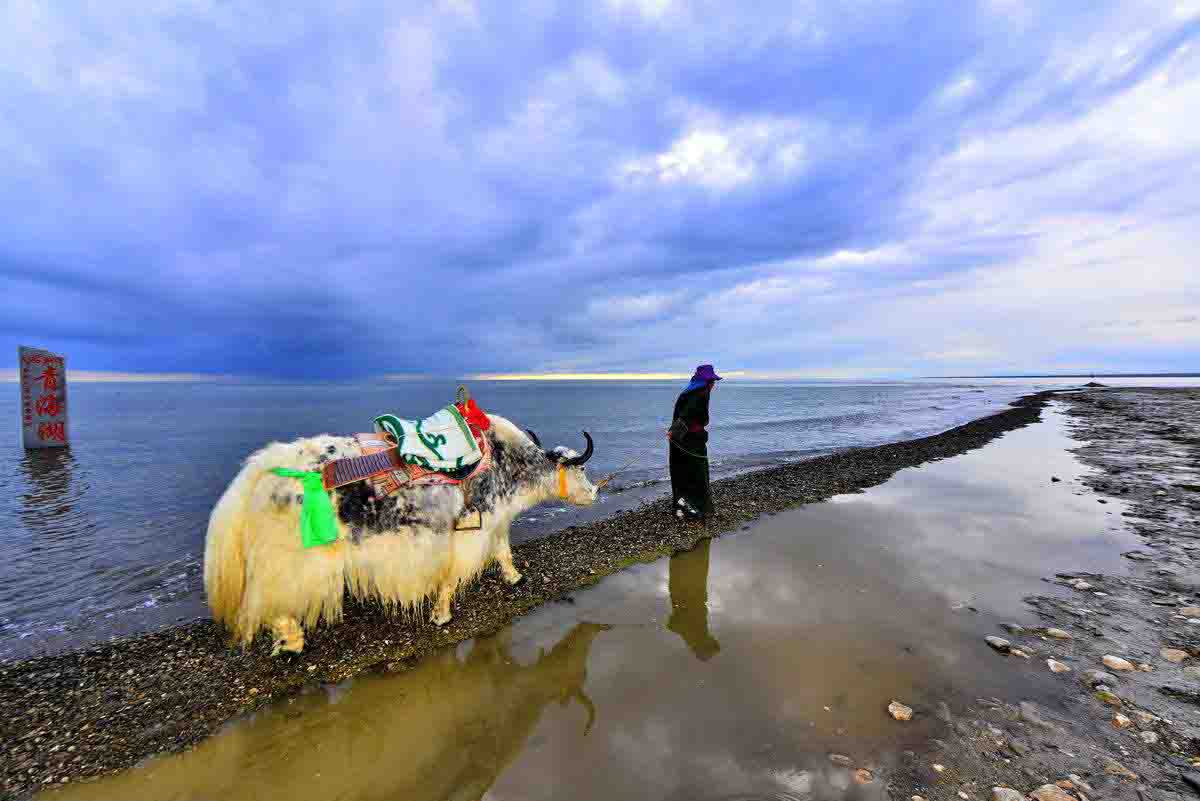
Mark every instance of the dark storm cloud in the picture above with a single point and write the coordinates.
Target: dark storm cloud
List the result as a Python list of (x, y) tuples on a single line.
[(856, 188)]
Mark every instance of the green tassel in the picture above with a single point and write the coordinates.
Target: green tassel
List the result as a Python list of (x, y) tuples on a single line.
[(317, 526)]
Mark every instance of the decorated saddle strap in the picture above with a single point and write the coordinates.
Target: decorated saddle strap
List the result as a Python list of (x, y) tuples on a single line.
[(420, 475), (384, 466)]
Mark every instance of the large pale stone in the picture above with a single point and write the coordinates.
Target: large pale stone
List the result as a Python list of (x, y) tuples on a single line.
[(1172, 654), (1117, 663), (1051, 792), (899, 711)]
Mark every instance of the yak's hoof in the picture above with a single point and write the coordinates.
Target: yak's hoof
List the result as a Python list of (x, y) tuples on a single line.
[(441, 619), (288, 645), (285, 646)]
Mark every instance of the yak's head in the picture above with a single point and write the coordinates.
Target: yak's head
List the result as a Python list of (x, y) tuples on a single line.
[(567, 479)]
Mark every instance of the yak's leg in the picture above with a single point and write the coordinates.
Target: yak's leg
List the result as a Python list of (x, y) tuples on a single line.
[(504, 557), (441, 610), (287, 635)]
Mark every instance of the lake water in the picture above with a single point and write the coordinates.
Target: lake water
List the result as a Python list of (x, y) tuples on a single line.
[(727, 673), (106, 538)]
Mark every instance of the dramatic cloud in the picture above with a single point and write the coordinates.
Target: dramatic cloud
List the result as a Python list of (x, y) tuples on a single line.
[(859, 187)]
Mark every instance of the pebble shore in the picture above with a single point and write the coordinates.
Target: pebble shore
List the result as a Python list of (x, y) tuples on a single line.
[(1126, 648)]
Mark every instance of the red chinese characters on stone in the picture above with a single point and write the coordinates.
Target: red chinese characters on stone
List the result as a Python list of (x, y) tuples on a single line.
[(49, 405), (53, 431), (49, 378)]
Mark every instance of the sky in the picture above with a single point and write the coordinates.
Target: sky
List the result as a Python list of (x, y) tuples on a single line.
[(833, 188)]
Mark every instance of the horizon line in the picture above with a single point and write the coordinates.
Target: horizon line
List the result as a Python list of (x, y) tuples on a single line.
[(623, 376)]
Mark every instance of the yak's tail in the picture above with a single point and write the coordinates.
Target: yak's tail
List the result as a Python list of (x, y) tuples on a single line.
[(225, 547)]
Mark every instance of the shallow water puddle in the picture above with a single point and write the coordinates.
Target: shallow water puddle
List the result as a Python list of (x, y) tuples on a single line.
[(729, 672)]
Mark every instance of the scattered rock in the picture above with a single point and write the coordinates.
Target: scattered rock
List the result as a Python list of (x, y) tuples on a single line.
[(1055, 479), (1080, 584), (1006, 794), (1051, 792), (1013, 628), (863, 776), (1138, 556), (1058, 634), (1149, 737), (1108, 696), (1190, 611), (1121, 722), (841, 759), (1173, 654), (1094, 678), (999, 643), (1018, 652), (1117, 663), (1145, 718), (1115, 768), (1058, 667), (1031, 714), (899, 711), (1192, 672), (1080, 783), (939, 768)]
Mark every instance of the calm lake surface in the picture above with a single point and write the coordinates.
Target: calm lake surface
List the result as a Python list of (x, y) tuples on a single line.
[(106, 538), (726, 673)]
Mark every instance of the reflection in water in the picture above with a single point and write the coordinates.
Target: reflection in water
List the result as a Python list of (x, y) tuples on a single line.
[(444, 730), (688, 584), (49, 474)]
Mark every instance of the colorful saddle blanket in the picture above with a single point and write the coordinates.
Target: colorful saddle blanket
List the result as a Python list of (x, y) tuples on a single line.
[(385, 464), (441, 442)]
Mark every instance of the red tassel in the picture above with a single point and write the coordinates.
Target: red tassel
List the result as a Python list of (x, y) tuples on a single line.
[(476, 419)]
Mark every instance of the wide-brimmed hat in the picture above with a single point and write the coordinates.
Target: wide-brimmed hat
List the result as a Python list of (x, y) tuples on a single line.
[(704, 375)]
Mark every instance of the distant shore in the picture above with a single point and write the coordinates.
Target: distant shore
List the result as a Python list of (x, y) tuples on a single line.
[(102, 709)]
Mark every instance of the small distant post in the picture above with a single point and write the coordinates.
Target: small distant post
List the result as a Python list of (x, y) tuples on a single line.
[(43, 398)]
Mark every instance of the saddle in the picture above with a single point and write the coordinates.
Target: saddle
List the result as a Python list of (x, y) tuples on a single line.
[(389, 466)]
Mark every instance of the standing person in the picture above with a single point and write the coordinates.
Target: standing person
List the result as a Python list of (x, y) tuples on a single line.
[(688, 444)]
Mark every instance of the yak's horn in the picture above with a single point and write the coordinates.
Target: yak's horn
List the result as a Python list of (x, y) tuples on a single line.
[(551, 455), (587, 453)]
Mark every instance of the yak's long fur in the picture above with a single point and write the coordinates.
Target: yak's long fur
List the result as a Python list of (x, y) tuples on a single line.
[(398, 550)]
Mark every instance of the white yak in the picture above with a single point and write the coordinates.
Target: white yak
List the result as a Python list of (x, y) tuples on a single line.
[(398, 549)]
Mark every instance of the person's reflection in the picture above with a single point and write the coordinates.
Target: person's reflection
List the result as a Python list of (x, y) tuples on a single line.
[(688, 583)]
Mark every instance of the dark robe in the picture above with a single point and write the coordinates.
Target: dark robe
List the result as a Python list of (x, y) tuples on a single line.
[(689, 451)]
